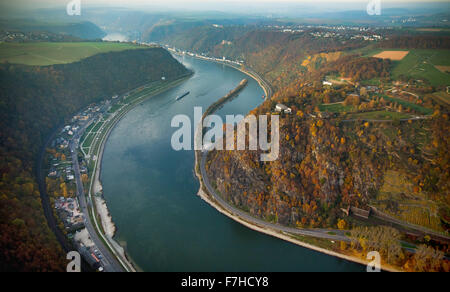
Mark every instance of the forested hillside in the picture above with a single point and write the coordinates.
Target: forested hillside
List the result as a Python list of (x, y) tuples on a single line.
[(35, 100), (325, 165), (275, 55), (415, 42), (329, 163), (373, 154), (342, 145), (285, 57)]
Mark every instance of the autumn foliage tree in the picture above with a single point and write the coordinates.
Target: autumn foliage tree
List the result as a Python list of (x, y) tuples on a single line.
[(33, 102)]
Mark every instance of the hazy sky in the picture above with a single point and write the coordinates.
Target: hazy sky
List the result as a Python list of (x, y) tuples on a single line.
[(245, 6), (162, 2)]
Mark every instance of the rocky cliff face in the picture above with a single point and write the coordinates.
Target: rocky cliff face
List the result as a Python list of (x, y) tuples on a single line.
[(317, 173)]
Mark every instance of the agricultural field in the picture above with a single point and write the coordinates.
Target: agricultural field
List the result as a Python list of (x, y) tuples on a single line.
[(44, 54), (379, 115), (442, 98), (427, 65), (418, 108), (443, 69), (337, 108), (392, 55), (399, 199), (368, 51)]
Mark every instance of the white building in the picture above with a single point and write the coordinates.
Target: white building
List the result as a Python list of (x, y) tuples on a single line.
[(282, 108)]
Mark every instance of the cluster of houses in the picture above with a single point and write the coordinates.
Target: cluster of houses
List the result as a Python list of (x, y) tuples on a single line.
[(69, 212), (68, 209), (56, 171), (70, 130), (342, 28), (69, 174), (324, 34), (60, 143), (28, 36), (93, 110), (331, 34), (61, 167), (327, 31), (404, 20), (81, 117), (290, 30)]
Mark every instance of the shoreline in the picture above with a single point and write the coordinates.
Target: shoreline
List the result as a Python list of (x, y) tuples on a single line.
[(97, 184), (207, 198), (280, 235), (102, 208), (262, 82), (203, 194)]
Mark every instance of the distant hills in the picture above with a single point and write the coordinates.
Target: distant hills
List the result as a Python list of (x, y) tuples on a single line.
[(83, 30), (44, 53)]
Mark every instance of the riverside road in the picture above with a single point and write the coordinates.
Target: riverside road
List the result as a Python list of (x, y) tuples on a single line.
[(337, 235), (108, 262)]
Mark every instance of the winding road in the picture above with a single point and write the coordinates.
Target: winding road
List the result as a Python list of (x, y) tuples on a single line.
[(335, 235), (109, 262)]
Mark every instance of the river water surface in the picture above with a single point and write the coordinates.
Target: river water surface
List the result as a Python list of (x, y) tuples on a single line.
[(151, 190)]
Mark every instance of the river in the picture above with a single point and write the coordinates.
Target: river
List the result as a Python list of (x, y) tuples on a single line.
[(151, 190)]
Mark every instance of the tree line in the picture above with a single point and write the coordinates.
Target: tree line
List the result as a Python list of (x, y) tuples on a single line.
[(33, 101)]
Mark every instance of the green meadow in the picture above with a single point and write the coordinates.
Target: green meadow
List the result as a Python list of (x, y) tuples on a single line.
[(413, 106), (337, 108), (46, 53), (378, 115), (420, 64)]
